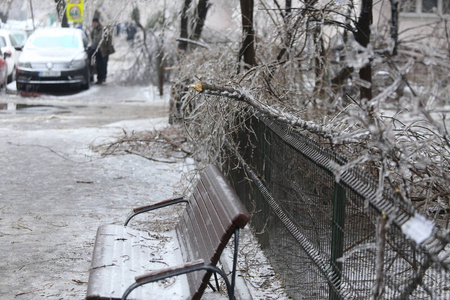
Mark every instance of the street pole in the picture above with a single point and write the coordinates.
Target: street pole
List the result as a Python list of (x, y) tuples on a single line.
[(32, 14)]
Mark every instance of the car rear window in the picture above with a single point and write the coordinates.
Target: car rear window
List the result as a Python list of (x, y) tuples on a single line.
[(20, 38), (62, 41), (13, 41)]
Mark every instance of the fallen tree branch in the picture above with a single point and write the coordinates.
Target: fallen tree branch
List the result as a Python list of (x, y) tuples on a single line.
[(269, 111), (34, 291), (175, 145), (150, 158)]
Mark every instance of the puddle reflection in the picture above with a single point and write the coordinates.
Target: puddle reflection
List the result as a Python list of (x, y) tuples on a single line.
[(13, 108)]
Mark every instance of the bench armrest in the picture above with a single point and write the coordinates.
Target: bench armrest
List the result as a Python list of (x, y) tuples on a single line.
[(139, 210), (193, 266)]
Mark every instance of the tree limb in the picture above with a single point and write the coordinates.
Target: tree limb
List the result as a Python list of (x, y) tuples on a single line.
[(269, 111)]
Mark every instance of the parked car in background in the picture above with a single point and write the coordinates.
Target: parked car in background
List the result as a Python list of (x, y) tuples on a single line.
[(8, 44), (54, 56), (3, 69)]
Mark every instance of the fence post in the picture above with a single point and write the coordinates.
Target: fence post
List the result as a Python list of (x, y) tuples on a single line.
[(337, 236)]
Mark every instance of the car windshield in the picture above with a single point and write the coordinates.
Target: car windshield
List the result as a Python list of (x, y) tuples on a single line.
[(2, 42), (61, 41)]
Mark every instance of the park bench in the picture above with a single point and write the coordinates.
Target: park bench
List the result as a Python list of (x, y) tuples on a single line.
[(213, 213)]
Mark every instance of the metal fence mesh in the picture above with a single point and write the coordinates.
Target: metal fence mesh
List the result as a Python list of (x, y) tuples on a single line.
[(321, 236)]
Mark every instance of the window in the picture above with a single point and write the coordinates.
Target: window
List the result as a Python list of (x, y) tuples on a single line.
[(428, 5), (446, 7), (13, 41), (61, 41), (425, 6)]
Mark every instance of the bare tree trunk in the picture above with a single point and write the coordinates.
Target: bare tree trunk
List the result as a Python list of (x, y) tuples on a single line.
[(319, 61), (394, 24), (160, 70), (247, 50), (200, 16), (61, 10), (4, 14), (184, 32), (288, 5), (362, 36), (160, 58), (287, 17), (135, 16)]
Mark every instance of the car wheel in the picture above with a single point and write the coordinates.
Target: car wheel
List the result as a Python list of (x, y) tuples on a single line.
[(87, 84), (12, 76), (4, 83), (3, 86)]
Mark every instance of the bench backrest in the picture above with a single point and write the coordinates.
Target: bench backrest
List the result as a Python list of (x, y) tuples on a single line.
[(212, 215)]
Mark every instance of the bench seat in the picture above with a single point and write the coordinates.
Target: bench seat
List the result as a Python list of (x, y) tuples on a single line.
[(132, 253)]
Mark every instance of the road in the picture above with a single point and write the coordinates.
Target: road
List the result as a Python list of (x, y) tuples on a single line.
[(55, 190)]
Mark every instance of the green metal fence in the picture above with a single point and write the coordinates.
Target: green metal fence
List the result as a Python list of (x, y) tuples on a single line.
[(328, 239)]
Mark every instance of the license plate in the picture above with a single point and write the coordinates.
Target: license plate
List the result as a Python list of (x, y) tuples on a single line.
[(50, 74)]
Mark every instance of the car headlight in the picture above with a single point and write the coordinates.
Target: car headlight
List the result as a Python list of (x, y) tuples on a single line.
[(24, 64), (77, 64)]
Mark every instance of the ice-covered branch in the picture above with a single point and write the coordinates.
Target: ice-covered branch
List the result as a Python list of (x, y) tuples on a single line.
[(267, 110), (197, 43)]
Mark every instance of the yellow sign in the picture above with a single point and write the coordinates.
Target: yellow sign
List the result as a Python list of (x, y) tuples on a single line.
[(74, 10)]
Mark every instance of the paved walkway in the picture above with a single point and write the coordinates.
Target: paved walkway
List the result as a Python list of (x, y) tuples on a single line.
[(54, 194), (55, 191)]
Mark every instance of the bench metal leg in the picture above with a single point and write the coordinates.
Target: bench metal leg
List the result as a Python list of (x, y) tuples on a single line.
[(233, 274), (180, 272), (235, 256), (211, 286), (217, 283)]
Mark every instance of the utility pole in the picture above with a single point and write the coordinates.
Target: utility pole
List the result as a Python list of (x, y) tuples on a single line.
[(32, 14)]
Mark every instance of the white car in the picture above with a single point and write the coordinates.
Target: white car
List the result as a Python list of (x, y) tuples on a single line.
[(54, 56), (8, 45)]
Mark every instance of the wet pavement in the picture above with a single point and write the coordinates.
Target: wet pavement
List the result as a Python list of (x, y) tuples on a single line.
[(55, 191)]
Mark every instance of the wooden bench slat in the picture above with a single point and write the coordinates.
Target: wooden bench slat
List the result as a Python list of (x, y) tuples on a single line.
[(234, 208), (230, 211), (218, 220), (197, 233), (219, 224), (206, 231), (191, 239)]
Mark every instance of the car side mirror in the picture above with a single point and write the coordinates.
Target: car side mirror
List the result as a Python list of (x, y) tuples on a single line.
[(19, 48), (6, 55)]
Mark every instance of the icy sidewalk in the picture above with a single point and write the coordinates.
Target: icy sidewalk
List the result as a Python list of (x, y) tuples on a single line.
[(56, 191)]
